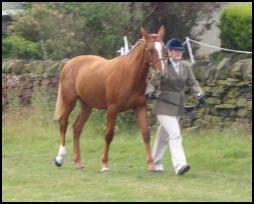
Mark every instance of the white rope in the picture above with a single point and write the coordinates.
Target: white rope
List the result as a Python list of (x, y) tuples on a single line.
[(185, 42), (204, 44)]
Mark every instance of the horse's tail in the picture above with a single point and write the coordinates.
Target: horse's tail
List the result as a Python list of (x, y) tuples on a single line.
[(59, 104)]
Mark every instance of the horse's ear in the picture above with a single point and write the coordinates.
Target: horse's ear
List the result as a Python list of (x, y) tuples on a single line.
[(143, 32), (161, 32)]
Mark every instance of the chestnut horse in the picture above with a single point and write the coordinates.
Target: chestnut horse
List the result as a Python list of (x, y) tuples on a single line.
[(117, 85)]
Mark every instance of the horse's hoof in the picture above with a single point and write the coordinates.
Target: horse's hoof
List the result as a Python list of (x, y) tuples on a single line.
[(80, 168), (57, 163), (104, 169), (151, 169)]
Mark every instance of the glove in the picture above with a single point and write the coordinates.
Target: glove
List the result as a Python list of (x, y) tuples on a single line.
[(202, 98), (150, 96), (188, 108)]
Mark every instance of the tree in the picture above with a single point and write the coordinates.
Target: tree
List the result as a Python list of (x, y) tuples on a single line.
[(74, 28)]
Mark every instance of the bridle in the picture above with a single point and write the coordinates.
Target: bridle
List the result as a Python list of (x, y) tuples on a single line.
[(153, 62)]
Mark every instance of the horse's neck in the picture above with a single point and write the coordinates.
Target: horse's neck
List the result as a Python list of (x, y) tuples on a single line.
[(138, 66)]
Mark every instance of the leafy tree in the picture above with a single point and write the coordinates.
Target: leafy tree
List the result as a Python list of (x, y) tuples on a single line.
[(69, 29), (40, 22), (178, 17)]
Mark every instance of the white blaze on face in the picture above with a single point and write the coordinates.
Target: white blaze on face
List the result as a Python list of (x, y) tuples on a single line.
[(158, 47)]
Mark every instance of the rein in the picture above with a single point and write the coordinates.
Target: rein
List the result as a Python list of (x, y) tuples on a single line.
[(186, 108), (155, 61)]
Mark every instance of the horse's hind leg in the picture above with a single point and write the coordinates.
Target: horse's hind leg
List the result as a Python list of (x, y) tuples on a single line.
[(63, 127), (111, 117), (77, 129), (66, 108)]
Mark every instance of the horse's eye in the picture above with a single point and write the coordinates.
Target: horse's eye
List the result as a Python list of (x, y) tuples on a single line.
[(151, 51)]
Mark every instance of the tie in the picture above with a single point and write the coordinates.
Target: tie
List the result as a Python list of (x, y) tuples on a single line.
[(177, 69)]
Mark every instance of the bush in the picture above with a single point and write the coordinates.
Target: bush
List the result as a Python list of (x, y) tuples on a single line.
[(236, 27), (69, 29), (72, 29), (18, 47)]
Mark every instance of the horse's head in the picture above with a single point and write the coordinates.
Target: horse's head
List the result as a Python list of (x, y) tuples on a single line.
[(155, 51)]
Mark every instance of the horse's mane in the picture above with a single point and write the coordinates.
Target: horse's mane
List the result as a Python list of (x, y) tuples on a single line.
[(135, 46)]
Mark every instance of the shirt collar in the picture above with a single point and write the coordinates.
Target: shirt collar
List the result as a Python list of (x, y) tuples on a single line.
[(170, 61)]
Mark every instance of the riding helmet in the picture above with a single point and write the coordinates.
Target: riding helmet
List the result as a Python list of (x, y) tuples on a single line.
[(174, 44)]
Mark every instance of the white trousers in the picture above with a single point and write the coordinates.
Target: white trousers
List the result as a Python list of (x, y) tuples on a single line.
[(168, 134)]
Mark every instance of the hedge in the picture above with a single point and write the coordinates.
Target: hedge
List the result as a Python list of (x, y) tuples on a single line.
[(236, 27)]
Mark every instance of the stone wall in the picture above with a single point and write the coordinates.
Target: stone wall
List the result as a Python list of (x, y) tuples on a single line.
[(20, 77), (228, 87)]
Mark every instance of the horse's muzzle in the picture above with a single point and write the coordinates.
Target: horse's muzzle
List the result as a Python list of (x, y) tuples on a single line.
[(160, 75)]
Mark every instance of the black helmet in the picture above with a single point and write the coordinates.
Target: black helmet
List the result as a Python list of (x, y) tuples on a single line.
[(174, 44)]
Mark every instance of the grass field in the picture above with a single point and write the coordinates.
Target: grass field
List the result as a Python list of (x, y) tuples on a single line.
[(221, 164)]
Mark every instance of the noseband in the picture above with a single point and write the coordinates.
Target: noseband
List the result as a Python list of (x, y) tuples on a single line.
[(157, 60)]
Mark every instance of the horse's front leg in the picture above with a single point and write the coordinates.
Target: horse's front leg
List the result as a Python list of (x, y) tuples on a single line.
[(142, 120), (111, 118)]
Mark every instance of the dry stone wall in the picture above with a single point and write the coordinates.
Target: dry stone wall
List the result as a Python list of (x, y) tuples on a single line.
[(20, 77), (228, 87)]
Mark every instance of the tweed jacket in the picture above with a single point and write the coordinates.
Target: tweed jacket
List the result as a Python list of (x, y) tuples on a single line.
[(172, 89)]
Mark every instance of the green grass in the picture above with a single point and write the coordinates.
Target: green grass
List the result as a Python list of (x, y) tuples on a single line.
[(221, 164)]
